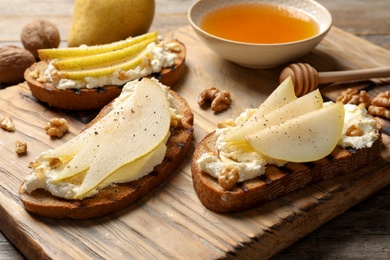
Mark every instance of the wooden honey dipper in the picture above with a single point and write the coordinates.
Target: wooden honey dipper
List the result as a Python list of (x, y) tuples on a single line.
[(306, 78)]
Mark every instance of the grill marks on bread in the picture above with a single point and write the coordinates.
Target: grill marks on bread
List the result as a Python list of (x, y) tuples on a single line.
[(118, 196), (277, 181)]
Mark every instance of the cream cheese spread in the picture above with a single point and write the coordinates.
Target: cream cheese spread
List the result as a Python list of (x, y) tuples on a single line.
[(160, 56), (43, 175), (251, 163), (357, 116)]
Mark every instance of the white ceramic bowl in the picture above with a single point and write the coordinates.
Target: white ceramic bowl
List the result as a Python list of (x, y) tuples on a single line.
[(260, 56)]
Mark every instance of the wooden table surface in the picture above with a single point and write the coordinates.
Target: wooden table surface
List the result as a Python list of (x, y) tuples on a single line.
[(363, 232)]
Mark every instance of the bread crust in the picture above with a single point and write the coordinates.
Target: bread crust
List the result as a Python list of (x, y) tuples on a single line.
[(277, 181), (97, 98), (118, 196)]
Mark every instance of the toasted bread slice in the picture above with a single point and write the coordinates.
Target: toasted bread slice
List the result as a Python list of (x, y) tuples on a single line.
[(116, 197), (277, 181), (92, 99)]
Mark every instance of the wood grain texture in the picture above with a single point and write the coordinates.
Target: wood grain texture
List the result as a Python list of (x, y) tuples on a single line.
[(362, 232), (164, 223)]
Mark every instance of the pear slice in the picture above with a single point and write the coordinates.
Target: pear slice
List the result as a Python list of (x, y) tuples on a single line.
[(70, 148), (51, 54), (138, 168), (101, 59), (259, 120), (73, 146), (80, 163), (87, 143), (282, 95), (67, 149), (106, 70), (141, 129), (306, 138)]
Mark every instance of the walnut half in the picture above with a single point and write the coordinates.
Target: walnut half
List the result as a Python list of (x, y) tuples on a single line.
[(220, 100), (20, 147), (381, 105), (378, 106), (379, 111), (354, 96), (57, 127), (7, 123), (353, 130), (228, 177), (382, 99)]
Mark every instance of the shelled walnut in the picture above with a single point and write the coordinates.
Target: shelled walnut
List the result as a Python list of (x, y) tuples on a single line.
[(7, 123), (173, 46), (228, 177), (381, 105), (57, 127), (379, 111), (353, 130), (354, 96), (220, 100), (378, 106), (20, 147), (382, 99)]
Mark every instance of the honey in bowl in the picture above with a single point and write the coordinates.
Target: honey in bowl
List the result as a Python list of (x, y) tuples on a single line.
[(259, 24)]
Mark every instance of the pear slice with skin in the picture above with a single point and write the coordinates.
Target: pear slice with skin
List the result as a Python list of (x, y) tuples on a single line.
[(80, 163), (91, 142), (282, 95), (71, 147), (67, 149), (306, 138), (51, 54), (87, 142), (259, 120), (144, 126), (101, 59), (138, 168), (129, 64)]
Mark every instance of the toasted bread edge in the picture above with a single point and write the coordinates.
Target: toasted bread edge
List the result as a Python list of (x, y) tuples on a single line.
[(118, 196), (277, 181), (97, 98)]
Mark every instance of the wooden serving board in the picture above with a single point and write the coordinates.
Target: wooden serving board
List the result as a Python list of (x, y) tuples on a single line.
[(171, 222)]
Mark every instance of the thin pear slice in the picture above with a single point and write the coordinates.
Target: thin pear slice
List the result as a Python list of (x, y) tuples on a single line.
[(80, 163), (307, 138), (87, 143), (91, 141), (144, 128), (51, 54), (71, 147), (129, 64), (259, 120), (67, 149), (282, 95), (102, 58), (138, 168)]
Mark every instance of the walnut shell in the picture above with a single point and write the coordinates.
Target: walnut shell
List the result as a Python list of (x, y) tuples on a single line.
[(13, 62), (40, 34)]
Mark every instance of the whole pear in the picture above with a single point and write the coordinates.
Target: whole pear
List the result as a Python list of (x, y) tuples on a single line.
[(105, 21)]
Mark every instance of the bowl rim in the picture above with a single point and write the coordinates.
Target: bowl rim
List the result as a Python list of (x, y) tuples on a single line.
[(318, 35)]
